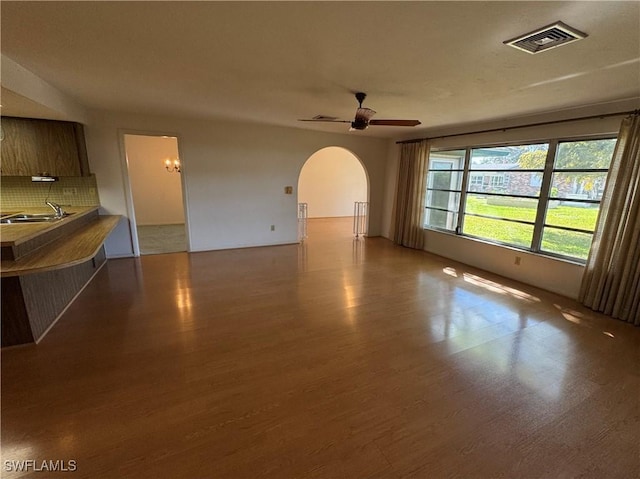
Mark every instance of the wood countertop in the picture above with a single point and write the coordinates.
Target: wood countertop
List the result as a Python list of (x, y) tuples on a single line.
[(77, 247), (15, 234)]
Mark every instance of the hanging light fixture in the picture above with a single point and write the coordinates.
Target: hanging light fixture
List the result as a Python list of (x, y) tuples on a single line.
[(172, 166)]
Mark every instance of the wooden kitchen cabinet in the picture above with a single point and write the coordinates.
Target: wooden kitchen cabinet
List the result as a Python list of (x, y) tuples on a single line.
[(34, 147)]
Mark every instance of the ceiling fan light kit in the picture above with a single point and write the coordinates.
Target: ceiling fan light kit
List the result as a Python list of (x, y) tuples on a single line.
[(363, 117)]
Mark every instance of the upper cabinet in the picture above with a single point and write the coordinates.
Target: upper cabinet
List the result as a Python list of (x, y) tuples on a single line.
[(35, 147)]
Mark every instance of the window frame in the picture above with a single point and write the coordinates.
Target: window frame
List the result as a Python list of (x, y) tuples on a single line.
[(544, 197), (460, 171), (549, 198)]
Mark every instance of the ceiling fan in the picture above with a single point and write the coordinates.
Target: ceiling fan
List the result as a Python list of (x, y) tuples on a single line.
[(363, 118)]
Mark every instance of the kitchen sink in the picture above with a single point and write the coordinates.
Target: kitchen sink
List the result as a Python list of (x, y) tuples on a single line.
[(32, 218)]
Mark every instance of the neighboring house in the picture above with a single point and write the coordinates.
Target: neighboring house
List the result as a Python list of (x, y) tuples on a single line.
[(497, 181)]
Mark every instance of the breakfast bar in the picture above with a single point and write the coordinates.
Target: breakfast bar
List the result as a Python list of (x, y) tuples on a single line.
[(45, 265)]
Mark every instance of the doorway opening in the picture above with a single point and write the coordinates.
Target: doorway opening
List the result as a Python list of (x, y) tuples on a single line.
[(334, 186), (157, 200)]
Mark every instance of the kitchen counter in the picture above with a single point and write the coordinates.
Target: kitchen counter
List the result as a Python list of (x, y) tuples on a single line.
[(78, 247), (44, 267), (16, 234)]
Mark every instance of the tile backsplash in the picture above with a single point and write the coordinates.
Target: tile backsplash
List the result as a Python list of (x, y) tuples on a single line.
[(20, 191)]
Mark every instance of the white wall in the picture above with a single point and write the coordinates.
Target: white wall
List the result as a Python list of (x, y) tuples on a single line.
[(234, 176), (562, 277), (157, 194), (555, 275), (330, 182)]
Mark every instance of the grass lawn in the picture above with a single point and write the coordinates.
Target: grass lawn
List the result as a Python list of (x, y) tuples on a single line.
[(554, 240)]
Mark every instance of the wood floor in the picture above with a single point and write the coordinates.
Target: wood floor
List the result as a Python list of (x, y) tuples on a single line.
[(337, 358)]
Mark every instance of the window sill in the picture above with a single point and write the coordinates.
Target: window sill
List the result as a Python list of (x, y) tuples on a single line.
[(561, 259)]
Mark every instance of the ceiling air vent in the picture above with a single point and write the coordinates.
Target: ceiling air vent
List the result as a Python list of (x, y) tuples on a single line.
[(546, 38)]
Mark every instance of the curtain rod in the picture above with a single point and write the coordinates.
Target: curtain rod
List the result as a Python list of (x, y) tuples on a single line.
[(542, 123)]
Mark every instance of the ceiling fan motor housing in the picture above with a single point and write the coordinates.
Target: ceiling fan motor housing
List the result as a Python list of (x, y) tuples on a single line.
[(359, 124)]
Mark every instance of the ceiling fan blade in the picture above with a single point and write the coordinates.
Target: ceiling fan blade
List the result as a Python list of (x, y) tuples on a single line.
[(363, 118), (364, 114), (395, 122), (320, 120)]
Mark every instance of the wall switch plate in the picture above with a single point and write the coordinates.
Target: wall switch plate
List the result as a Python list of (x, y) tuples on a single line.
[(288, 190), (517, 260), (273, 227)]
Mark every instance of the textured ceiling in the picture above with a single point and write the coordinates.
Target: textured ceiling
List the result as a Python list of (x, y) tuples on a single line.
[(443, 63)]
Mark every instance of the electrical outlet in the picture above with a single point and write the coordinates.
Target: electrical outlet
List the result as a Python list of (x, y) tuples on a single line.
[(69, 191), (517, 261), (92, 191), (273, 227)]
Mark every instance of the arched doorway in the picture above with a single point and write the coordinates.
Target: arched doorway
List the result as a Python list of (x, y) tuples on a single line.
[(331, 181)]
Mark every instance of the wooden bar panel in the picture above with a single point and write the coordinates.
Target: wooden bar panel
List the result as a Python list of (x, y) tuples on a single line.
[(15, 327), (47, 294), (7, 253)]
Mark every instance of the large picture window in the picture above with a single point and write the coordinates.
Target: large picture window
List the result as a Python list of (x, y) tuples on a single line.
[(503, 207), (542, 197)]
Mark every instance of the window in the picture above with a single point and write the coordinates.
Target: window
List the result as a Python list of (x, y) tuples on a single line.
[(541, 197), (476, 180), (444, 182), (497, 180), (577, 183), (503, 208)]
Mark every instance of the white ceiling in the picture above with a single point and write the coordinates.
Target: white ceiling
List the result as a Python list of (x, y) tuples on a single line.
[(443, 63)]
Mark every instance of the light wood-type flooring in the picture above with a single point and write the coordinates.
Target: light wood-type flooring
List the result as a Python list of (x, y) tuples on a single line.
[(336, 358)]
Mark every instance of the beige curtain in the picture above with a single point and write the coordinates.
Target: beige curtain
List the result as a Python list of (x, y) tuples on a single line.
[(412, 179), (611, 283)]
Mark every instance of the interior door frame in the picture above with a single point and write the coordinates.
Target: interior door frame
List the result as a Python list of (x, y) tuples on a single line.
[(124, 162)]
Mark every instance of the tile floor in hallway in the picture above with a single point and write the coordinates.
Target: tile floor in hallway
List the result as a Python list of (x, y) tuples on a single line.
[(158, 239)]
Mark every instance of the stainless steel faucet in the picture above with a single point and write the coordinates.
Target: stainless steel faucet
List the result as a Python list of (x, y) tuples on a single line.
[(57, 208)]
